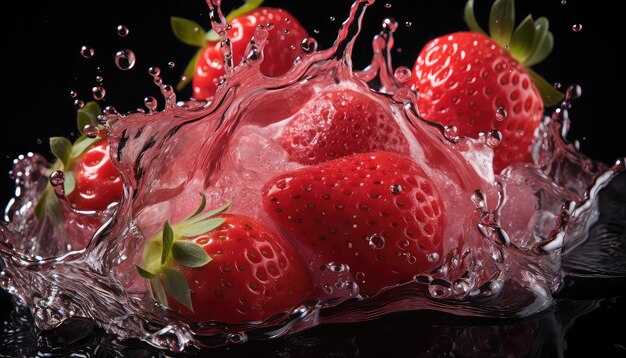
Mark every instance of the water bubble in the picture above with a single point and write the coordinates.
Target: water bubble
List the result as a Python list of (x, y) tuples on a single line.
[(57, 178), (337, 267), (376, 241), (98, 93), (151, 103), (408, 24), (171, 64), (432, 257), (493, 138), (450, 132), (73, 94), (125, 59), (87, 51), (573, 92), (360, 276), (316, 31), (99, 79), (577, 27), (110, 111), (396, 189), (501, 114), (122, 30), (387, 6), (154, 71), (79, 103), (332, 19), (557, 85), (563, 2), (308, 45), (91, 130), (402, 74)]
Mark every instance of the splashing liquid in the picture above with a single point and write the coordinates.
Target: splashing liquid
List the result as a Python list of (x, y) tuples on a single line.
[(502, 253)]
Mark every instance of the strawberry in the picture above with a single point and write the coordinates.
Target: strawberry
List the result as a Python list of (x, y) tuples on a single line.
[(338, 123), (379, 213), (91, 180), (205, 69), (224, 267), (478, 84)]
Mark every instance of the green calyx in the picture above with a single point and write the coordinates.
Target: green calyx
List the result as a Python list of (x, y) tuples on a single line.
[(170, 246), (191, 33), (66, 154), (529, 43)]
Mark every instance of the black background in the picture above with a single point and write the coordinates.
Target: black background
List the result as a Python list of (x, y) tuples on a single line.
[(41, 63)]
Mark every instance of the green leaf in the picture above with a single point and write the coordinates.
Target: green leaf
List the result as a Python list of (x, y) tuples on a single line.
[(168, 240), (92, 109), (159, 291), (81, 145), (212, 36), (144, 273), (188, 31), (549, 94), (470, 19), (69, 182), (200, 208), (40, 208), (523, 40), (190, 254), (87, 115), (177, 287), (544, 43), (502, 21), (201, 227), (61, 148), (210, 213), (248, 6), (189, 70)]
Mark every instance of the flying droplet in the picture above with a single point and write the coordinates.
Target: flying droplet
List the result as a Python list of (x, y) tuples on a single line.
[(154, 71), (577, 27), (91, 130), (87, 51), (573, 92), (557, 85), (332, 19), (151, 103), (99, 79), (98, 93), (125, 59), (308, 45), (79, 103), (408, 24), (73, 94), (171, 64), (501, 114), (122, 30), (387, 6)]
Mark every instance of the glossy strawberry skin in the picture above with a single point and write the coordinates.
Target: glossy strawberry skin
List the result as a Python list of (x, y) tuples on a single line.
[(282, 47), (339, 123), (464, 78), (253, 275), (98, 182), (378, 213)]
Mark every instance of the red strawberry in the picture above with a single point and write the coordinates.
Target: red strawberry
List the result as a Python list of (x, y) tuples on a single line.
[(379, 213), (470, 81), (252, 275), (339, 123), (283, 45)]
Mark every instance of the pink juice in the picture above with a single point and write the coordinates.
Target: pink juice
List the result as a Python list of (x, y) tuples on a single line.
[(503, 240)]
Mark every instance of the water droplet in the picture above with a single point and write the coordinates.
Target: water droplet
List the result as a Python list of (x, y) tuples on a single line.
[(125, 59), (337, 267), (439, 289), (154, 71), (171, 64), (99, 79), (110, 111), (408, 24), (396, 189), (308, 45), (387, 6), (402, 74), (376, 241), (460, 287), (79, 103), (501, 114), (493, 138), (73, 94), (98, 93), (328, 289), (332, 19), (577, 27), (57, 178), (557, 85), (351, 288), (450, 132), (432, 257), (87, 51), (573, 92), (563, 2), (316, 31), (360, 276), (122, 30), (91, 130), (151, 103)]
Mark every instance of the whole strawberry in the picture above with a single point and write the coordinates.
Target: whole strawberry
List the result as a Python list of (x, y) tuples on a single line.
[(283, 45), (478, 84), (224, 267), (378, 213), (341, 122)]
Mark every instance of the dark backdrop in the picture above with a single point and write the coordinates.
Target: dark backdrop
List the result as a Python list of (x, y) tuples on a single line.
[(41, 64)]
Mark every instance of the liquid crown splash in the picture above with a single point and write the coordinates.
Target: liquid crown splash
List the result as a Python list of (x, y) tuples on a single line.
[(502, 254)]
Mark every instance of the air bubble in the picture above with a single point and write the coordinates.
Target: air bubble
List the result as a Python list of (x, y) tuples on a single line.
[(122, 30), (432, 257), (337, 267), (79, 103), (501, 114), (376, 241), (98, 93), (125, 59), (402, 74), (87, 51), (154, 71)]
